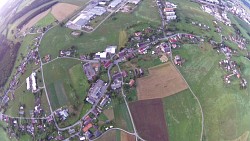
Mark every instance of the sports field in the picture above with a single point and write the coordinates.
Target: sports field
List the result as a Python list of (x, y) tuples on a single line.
[(148, 117), (107, 34), (226, 108), (163, 80)]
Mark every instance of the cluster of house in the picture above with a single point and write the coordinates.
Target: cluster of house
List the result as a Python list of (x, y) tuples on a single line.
[(30, 126), (220, 15), (31, 83), (89, 130), (62, 113), (240, 41), (231, 67), (202, 26), (169, 11), (47, 58), (91, 70), (238, 10)]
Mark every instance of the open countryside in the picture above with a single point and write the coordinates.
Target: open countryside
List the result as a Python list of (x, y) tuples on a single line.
[(125, 70)]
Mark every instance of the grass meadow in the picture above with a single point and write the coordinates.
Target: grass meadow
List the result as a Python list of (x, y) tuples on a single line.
[(226, 107), (183, 116)]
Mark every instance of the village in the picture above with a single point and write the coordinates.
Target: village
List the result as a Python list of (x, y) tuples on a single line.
[(149, 41)]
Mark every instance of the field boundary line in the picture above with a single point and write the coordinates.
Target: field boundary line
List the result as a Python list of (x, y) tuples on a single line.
[(202, 114), (119, 129)]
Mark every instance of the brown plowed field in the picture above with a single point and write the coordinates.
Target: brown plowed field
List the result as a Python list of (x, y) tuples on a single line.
[(62, 10), (149, 119), (127, 137), (163, 80)]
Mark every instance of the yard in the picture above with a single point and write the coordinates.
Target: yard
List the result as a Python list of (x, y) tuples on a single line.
[(226, 107), (106, 34)]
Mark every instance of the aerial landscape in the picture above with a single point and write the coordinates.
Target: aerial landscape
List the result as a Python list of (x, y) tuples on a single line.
[(124, 70)]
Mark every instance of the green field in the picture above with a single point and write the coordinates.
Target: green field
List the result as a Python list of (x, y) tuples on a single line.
[(66, 82), (3, 135), (183, 117), (47, 20), (122, 118), (107, 34), (226, 108)]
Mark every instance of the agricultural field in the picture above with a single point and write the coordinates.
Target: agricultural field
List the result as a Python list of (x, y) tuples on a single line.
[(112, 135), (45, 21), (106, 34), (182, 113), (63, 10), (122, 118), (225, 107), (127, 137), (148, 120), (3, 135), (65, 82), (75, 2), (163, 80), (24, 4), (109, 113), (34, 20)]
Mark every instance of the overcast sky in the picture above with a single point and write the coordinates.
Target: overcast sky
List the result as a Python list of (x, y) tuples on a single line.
[(2, 2)]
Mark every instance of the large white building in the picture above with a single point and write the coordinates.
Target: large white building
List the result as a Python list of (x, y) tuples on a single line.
[(31, 82), (114, 3)]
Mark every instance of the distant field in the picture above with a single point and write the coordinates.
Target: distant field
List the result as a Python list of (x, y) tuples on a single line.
[(163, 80), (34, 20), (226, 108), (24, 4), (62, 10), (183, 117), (75, 2), (109, 136), (106, 34), (148, 117)]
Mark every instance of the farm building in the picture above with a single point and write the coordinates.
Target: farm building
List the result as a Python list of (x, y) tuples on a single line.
[(98, 10), (114, 3), (111, 49), (134, 1), (101, 55), (31, 82), (96, 90)]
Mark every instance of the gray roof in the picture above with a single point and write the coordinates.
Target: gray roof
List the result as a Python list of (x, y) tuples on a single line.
[(81, 22)]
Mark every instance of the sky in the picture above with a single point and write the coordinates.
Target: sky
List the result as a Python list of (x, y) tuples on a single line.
[(2, 2)]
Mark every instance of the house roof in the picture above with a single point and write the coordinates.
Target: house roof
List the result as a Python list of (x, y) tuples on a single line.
[(87, 127)]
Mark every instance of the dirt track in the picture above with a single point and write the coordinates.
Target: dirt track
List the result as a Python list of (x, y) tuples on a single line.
[(163, 80), (62, 10), (149, 119)]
